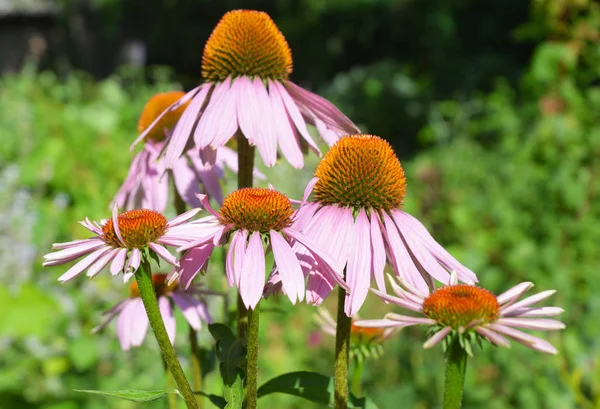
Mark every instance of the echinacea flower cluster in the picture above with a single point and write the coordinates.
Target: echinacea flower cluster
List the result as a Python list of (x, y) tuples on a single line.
[(250, 218), (357, 217), (132, 321), (120, 241), (246, 64), (462, 309)]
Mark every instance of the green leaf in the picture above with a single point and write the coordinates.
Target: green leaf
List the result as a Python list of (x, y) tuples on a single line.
[(132, 394), (311, 386), (216, 400), (231, 356)]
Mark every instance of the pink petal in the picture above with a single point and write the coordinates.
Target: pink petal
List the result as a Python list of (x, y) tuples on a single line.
[(118, 262), (74, 252), (188, 307), (184, 99), (164, 253), (525, 339), (183, 218), (437, 337), (166, 313), (186, 181), (207, 126), (191, 263), (248, 113), (226, 118), (410, 320), (282, 128), (358, 270), (296, 116), (384, 323), (536, 312), (266, 139), (378, 252), (125, 323), (83, 264), (527, 302), (514, 293), (183, 129), (252, 281), (495, 338), (139, 323), (289, 268), (134, 262), (239, 255), (108, 316), (408, 304), (532, 323)]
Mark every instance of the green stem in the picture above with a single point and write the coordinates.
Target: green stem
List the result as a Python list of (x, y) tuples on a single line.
[(342, 350), (196, 365), (356, 384), (245, 178), (171, 397), (250, 396), (144, 280), (456, 366)]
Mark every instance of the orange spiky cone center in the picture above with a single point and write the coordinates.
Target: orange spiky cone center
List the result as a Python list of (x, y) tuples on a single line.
[(246, 43), (153, 108), (361, 171), (459, 305), (257, 209), (160, 286), (138, 228)]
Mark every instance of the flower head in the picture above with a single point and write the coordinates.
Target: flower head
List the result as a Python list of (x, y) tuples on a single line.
[(246, 64), (468, 311), (357, 216), (147, 183), (132, 321), (121, 241), (251, 219)]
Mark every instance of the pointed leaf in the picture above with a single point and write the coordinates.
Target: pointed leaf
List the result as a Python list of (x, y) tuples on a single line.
[(132, 394)]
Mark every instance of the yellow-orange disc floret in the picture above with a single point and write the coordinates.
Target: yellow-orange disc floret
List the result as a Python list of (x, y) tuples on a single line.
[(257, 209), (138, 228), (246, 43), (160, 286), (154, 107), (361, 171), (459, 305)]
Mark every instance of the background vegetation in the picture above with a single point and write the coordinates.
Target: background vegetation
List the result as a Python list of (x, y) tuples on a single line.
[(493, 107)]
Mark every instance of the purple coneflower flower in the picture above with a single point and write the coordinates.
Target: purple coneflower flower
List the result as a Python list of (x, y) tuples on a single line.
[(253, 218), (246, 64), (357, 217), (460, 309), (121, 241), (147, 184), (132, 321)]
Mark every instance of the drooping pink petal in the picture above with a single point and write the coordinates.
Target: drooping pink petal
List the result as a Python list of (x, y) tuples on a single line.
[(358, 269), (139, 322), (133, 263), (115, 220), (183, 218), (163, 253), (282, 127), (83, 264), (183, 129), (226, 118), (188, 308), (91, 226), (166, 313), (252, 280), (384, 323), (296, 116), (437, 337), (207, 125), (184, 99), (210, 177), (525, 339), (404, 265), (303, 215), (514, 293), (248, 108), (230, 271), (408, 304), (118, 262), (266, 138), (191, 263), (186, 182), (289, 268), (410, 320), (108, 316), (239, 256), (125, 323), (494, 337), (377, 251)]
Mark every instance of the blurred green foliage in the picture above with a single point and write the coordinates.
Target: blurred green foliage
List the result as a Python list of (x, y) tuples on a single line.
[(507, 178)]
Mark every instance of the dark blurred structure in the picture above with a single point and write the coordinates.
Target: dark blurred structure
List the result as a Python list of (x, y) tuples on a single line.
[(382, 61)]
